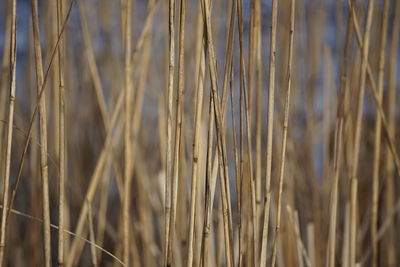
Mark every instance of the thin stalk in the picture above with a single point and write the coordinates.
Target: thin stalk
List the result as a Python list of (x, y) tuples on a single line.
[(248, 108), (196, 141), (225, 193), (294, 221), (95, 180), (377, 140), (91, 234), (177, 129), (5, 68), (285, 130), (388, 136), (27, 216), (107, 149), (271, 106), (13, 70), (311, 243), (354, 170), (169, 167), (209, 191), (62, 140), (391, 109), (42, 136), (127, 130), (32, 120), (338, 146), (258, 169), (87, 43)]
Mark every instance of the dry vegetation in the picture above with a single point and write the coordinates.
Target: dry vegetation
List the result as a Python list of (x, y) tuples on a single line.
[(199, 133)]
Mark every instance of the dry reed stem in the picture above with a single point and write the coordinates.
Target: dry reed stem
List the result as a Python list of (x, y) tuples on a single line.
[(200, 64), (388, 137), (285, 129), (127, 11), (16, 212), (258, 169), (311, 243), (62, 146), (197, 126), (354, 170), (315, 146), (382, 230), (13, 69), (91, 234), (42, 136), (334, 196), (169, 162), (211, 177), (103, 207), (88, 47), (346, 236), (293, 218), (224, 181), (248, 108), (300, 247), (271, 104), (5, 68), (29, 134), (94, 180), (228, 72), (377, 140), (107, 150), (198, 97), (391, 102), (338, 140), (176, 170)]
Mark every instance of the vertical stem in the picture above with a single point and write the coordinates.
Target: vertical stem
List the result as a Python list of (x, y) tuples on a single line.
[(197, 126), (43, 136), (247, 97), (91, 234), (13, 69), (391, 109), (168, 182), (338, 145), (354, 170), (377, 141), (258, 169), (285, 130), (271, 92), (221, 149), (61, 140), (5, 68), (127, 132)]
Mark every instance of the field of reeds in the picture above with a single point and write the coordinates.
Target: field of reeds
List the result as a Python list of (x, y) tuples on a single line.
[(199, 133)]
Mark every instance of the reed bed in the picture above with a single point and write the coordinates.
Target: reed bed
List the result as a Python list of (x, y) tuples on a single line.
[(199, 133)]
